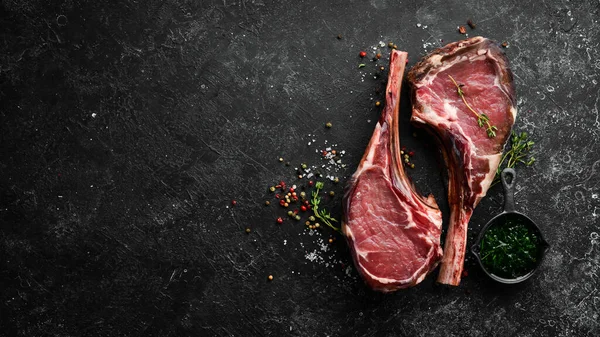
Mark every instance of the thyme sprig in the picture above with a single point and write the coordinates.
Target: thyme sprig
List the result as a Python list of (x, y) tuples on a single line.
[(482, 119), (321, 213), (520, 145)]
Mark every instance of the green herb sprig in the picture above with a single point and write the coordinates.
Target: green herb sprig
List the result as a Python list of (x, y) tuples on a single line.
[(321, 213), (483, 120), (520, 145)]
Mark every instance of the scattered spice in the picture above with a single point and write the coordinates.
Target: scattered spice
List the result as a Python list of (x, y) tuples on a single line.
[(505, 44), (362, 54), (328, 125), (391, 45), (395, 47), (233, 202), (280, 159), (270, 277), (247, 230), (462, 30), (382, 68), (378, 56), (377, 103), (289, 195), (330, 240), (331, 193), (471, 24), (362, 65), (339, 37), (482, 119)]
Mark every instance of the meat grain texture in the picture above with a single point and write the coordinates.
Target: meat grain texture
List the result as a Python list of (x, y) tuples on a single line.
[(480, 68), (392, 231)]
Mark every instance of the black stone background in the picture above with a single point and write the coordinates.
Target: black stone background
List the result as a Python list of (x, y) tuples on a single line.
[(127, 127)]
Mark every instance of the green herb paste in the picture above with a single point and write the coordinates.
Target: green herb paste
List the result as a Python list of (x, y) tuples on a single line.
[(509, 249)]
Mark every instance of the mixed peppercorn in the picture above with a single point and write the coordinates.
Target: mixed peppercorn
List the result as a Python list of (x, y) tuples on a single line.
[(289, 196), (406, 157)]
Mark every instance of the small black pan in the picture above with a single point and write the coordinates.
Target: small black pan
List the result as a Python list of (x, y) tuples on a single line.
[(511, 214)]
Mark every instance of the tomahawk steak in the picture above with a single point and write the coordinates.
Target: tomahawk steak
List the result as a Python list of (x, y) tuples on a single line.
[(393, 232), (464, 94)]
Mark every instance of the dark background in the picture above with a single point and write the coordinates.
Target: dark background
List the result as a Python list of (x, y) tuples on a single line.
[(127, 127)]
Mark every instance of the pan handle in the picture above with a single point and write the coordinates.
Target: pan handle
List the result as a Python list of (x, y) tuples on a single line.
[(509, 188)]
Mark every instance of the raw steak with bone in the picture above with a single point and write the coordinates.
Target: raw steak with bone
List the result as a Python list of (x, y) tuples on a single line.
[(464, 94), (393, 232)]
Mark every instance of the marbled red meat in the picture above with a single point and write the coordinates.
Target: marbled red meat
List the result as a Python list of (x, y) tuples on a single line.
[(393, 232), (480, 67)]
